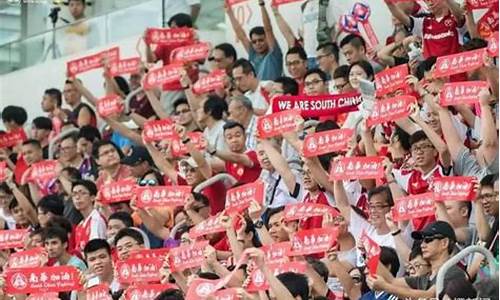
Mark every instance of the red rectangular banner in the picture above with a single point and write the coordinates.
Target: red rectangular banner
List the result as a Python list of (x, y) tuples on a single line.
[(458, 63), (135, 270), (326, 142), (110, 105), (239, 198), (12, 138), (169, 36), (185, 257), (213, 81), (391, 79), (189, 53), (197, 139), (281, 2), (44, 170), (91, 62), (464, 92), (277, 252), (493, 45), (372, 251), (118, 191), (313, 241), (125, 66), (157, 130), (277, 123), (365, 167), (200, 288), (302, 211), (390, 110), (488, 24), (27, 259), (415, 206), (147, 291), (43, 296), (160, 196), (479, 4), (159, 253), (164, 75), (42, 279), (318, 106), (3, 171), (12, 238), (454, 188), (258, 281), (98, 292), (208, 226)]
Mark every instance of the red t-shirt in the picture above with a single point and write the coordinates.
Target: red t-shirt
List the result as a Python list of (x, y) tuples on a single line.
[(245, 174), (440, 37), (216, 194), (314, 222), (162, 52), (123, 172)]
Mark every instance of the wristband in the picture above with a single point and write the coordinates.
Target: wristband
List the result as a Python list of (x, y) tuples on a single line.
[(186, 141), (186, 87), (212, 152), (396, 232)]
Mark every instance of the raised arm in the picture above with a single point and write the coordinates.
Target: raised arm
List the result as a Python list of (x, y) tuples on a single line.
[(457, 11), (450, 134), (238, 29), (341, 199), (156, 105), (85, 92), (124, 130), (398, 13), (489, 146), (279, 163), (23, 201), (319, 174), (268, 27), (385, 54), (162, 163), (285, 29)]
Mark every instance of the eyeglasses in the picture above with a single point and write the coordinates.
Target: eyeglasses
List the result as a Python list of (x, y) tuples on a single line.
[(378, 207), (487, 196), (107, 152), (422, 148), (312, 82), (148, 182), (416, 266), (430, 239), (183, 111), (217, 60), (339, 87)]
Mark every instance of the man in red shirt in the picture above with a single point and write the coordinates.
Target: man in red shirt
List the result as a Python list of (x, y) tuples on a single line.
[(107, 156)]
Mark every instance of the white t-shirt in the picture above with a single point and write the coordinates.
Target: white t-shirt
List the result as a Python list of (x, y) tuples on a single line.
[(258, 100), (215, 135), (173, 7)]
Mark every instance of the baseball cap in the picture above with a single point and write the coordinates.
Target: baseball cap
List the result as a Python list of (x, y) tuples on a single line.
[(188, 161), (137, 155), (435, 228)]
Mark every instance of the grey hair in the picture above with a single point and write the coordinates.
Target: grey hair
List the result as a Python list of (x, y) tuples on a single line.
[(247, 103)]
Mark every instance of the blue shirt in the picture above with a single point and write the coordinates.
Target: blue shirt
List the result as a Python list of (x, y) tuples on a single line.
[(268, 66)]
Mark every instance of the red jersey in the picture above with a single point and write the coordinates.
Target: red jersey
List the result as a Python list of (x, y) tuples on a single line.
[(216, 194), (314, 222), (122, 173), (93, 227), (245, 174)]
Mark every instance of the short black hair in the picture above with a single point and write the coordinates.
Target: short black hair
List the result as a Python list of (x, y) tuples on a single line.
[(403, 138), (95, 245), (330, 48), (296, 284), (13, 203), (33, 143), (319, 267), (73, 136), (388, 256), (228, 50), (62, 222), (208, 275), (83, 2), (42, 123), (290, 86), (297, 50), (170, 294), (383, 189), (4, 187), (489, 180), (418, 136), (97, 145), (90, 133), (122, 84), (55, 232), (425, 66), (55, 94), (215, 106), (258, 30), (14, 114), (416, 250), (199, 197), (74, 173), (52, 203), (246, 66), (180, 101), (232, 124), (318, 71), (341, 72), (129, 232), (89, 185), (366, 66), (181, 20), (354, 40), (460, 288), (273, 211), (123, 217)]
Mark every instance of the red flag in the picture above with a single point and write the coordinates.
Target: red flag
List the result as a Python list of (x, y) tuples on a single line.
[(479, 4), (157, 130), (365, 167), (27, 259), (209, 226), (159, 253), (258, 281), (161, 196), (318, 106), (277, 3), (44, 170), (12, 238), (167, 74), (234, 2), (189, 53), (454, 188), (493, 45), (201, 288), (213, 81), (415, 206), (372, 250), (147, 291), (42, 279), (125, 66), (98, 292), (12, 138), (197, 139), (139, 270), (91, 62), (488, 23), (3, 171), (277, 252), (319, 143)]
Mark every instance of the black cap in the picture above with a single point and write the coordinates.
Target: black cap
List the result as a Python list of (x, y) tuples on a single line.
[(136, 156), (435, 228)]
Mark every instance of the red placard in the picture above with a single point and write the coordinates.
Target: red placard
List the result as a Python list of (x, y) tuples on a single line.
[(3, 171), (493, 45), (169, 36), (239, 198), (415, 206), (479, 4), (139, 270), (125, 66), (193, 52), (91, 62), (42, 279), (44, 170), (372, 250), (326, 141), (159, 253), (43, 296), (258, 281), (27, 259), (277, 252), (12, 238), (390, 110), (488, 23), (458, 63), (464, 92), (158, 196), (281, 2), (317, 106), (158, 130), (213, 81), (226, 294), (391, 79), (118, 191), (147, 291), (234, 2), (12, 138), (110, 105), (164, 75), (454, 188), (186, 257), (197, 139), (366, 167), (277, 123), (209, 226), (302, 211), (201, 288), (312, 241), (98, 292)]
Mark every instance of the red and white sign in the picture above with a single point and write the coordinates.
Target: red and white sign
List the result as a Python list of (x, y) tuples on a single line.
[(479, 4), (186, 257), (276, 3), (366, 167), (209, 226), (12, 138), (43, 296), (164, 75), (98, 292), (157, 130), (415, 206), (158, 196), (197, 139), (317, 106), (458, 63), (493, 45), (390, 110), (372, 251), (488, 23), (201, 288), (12, 238), (193, 52), (125, 66), (91, 62), (454, 188), (118, 191), (277, 252), (464, 92), (159, 253), (110, 105), (147, 291), (277, 123), (226, 294), (239, 198), (134, 270), (312, 241), (211, 82), (258, 281), (326, 141), (42, 279), (27, 259), (234, 2), (3, 171), (44, 170), (302, 211), (391, 79), (169, 36)]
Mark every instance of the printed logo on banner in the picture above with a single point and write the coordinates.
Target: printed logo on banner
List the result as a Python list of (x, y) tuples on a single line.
[(155, 196), (479, 4), (147, 291), (372, 251), (317, 106), (326, 141), (391, 79), (465, 92), (12, 138), (366, 167), (185, 257), (110, 105), (164, 75), (42, 279), (27, 259), (258, 281), (169, 36), (125, 66), (488, 23), (159, 253), (210, 82), (302, 211), (91, 62), (493, 45), (118, 191), (277, 123), (201, 288), (194, 52), (454, 188), (157, 130), (458, 63), (98, 292), (277, 252), (44, 170), (139, 270), (209, 226), (12, 238), (415, 206), (313, 241), (390, 110), (197, 139), (239, 198)]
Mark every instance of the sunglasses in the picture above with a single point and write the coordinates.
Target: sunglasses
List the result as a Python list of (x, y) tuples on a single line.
[(148, 182), (430, 239)]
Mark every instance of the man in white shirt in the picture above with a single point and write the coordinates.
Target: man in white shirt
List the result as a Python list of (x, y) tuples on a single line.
[(246, 81), (210, 115)]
